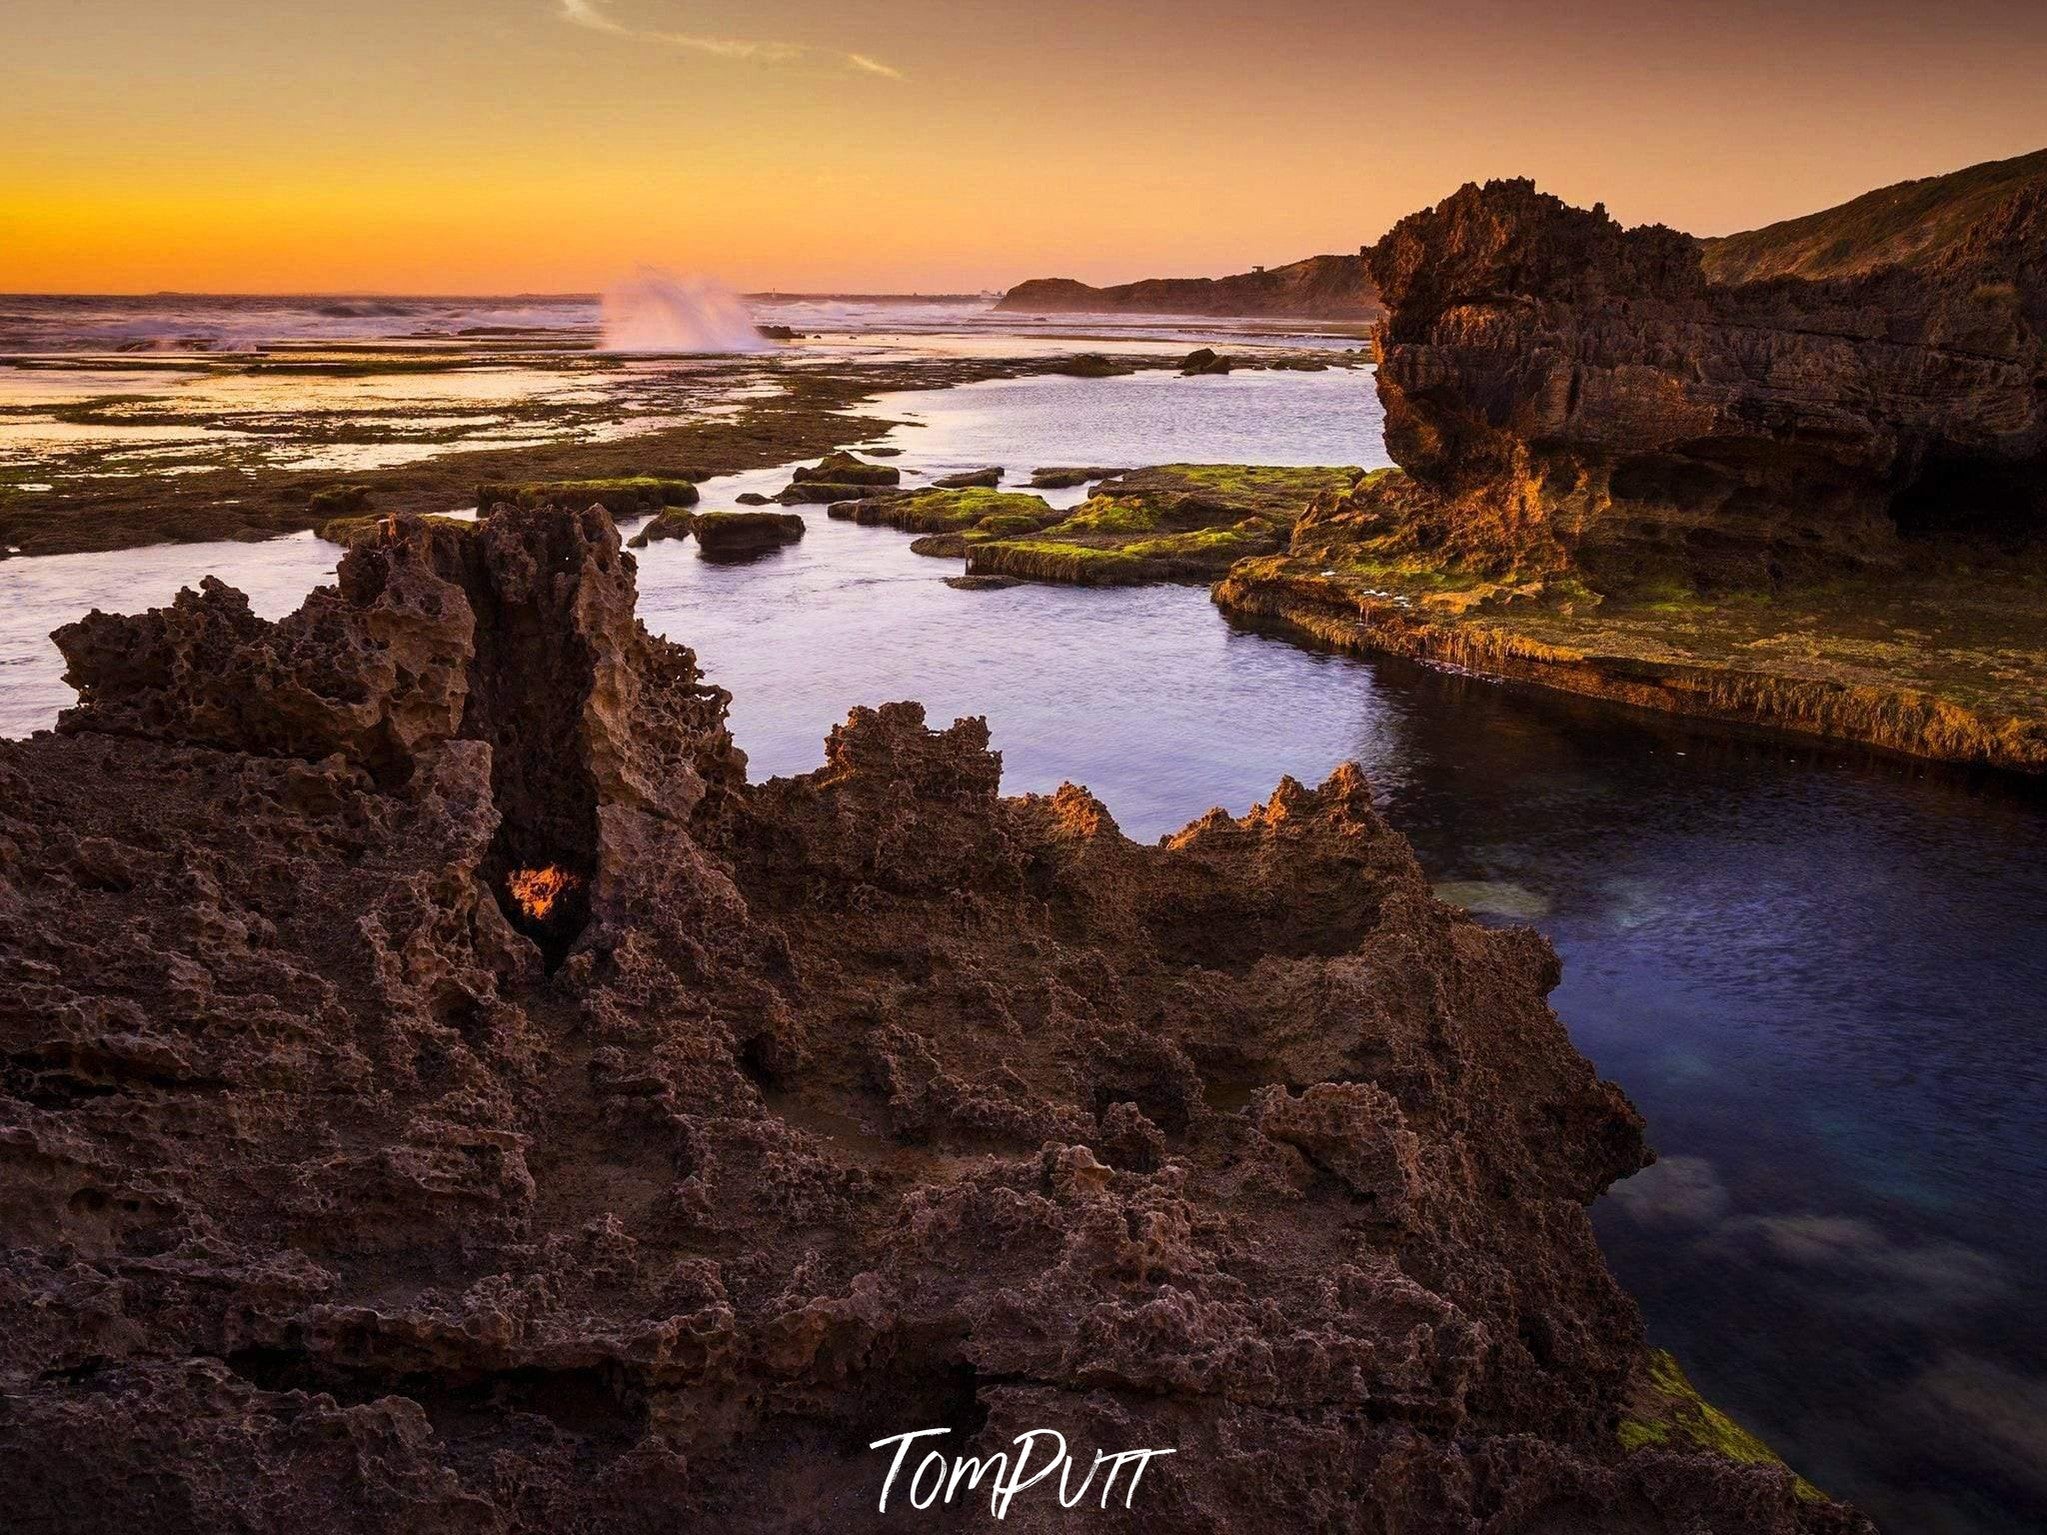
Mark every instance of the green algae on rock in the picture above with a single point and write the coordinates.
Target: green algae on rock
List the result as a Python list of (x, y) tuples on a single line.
[(1172, 522), (678, 522), (1930, 661), (623, 496), (844, 469), (1664, 1410), (947, 511), (741, 535)]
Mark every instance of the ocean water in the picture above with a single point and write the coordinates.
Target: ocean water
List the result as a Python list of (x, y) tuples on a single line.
[(1818, 972)]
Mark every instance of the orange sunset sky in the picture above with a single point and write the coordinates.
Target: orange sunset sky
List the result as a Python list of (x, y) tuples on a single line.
[(549, 145)]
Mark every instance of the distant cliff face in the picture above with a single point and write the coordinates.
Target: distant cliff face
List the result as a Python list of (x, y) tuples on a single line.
[(1589, 396), (1319, 288)]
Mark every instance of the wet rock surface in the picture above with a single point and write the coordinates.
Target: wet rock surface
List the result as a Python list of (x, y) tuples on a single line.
[(347, 1192)]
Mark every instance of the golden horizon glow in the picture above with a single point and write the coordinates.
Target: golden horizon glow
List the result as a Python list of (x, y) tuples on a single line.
[(550, 146)]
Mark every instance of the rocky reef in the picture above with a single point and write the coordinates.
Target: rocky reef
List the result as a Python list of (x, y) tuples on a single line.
[(1813, 503), (1319, 288), (1171, 522), (441, 1093)]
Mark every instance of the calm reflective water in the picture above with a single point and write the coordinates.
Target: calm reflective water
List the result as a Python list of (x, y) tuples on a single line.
[(1821, 975)]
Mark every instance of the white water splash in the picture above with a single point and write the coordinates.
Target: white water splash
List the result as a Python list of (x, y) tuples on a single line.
[(659, 312)]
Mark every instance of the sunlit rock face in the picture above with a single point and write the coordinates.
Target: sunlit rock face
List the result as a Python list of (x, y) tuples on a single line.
[(1585, 395), (347, 1191)]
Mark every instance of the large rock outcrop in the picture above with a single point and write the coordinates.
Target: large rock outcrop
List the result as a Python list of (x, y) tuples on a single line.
[(1583, 396), (346, 1190)]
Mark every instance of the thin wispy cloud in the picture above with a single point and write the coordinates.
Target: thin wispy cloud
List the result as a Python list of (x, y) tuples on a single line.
[(874, 66), (584, 13)]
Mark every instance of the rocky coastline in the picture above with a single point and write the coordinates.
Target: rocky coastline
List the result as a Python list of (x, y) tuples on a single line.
[(442, 1092), (1814, 504)]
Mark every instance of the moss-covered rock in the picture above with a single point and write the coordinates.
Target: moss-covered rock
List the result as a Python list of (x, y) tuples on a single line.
[(674, 523), (947, 511), (742, 535), (1174, 522), (941, 546), (1664, 1408), (339, 501), (1067, 563), (843, 468), (624, 496), (981, 583)]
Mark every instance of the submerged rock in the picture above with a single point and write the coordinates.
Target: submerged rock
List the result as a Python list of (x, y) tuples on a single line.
[(1065, 478), (1203, 361), (442, 1093), (753, 498), (987, 479), (1090, 365)]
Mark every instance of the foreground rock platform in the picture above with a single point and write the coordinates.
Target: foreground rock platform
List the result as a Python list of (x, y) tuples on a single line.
[(440, 1093)]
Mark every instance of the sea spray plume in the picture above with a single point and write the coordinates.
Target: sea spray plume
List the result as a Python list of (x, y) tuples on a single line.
[(657, 311)]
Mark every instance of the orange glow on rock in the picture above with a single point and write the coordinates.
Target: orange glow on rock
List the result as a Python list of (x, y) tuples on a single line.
[(537, 890)]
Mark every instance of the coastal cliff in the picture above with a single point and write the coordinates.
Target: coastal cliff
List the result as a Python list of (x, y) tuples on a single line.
[(1319, 288), (1809, 502), (441, 1092)]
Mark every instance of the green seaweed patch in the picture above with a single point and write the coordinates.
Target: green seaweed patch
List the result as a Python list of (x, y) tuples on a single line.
[(339, 500), (1664, 1408), (1210, 544), (949, 511), (623, 496), (1043, 560)]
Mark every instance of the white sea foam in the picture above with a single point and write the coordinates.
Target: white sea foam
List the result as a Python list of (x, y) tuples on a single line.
[(657, 311)]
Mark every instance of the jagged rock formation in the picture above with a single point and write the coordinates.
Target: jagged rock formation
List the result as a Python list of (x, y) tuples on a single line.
[(1319, 288), (1811, 505), (1586, 397), (345, 1192)]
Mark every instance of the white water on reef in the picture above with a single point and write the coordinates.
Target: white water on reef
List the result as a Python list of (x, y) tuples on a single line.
[(656, 311)]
